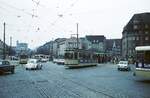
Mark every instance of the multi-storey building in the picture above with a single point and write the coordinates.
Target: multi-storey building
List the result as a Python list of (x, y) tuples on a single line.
[(2, 50), (70, 43), (21, 48), (96, 43), (113, 47), (135, 33), (56, 46)]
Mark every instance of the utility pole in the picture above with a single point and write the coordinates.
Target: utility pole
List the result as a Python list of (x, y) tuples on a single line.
[(4, 50), (77, 38)]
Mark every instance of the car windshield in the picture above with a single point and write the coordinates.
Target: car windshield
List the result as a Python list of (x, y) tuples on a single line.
[(5, 63), (123, 62), (0, 62), (32, 61)]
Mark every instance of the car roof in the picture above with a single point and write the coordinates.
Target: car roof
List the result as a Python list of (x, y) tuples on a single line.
[(32, 59), (123, 61), (4, 62)]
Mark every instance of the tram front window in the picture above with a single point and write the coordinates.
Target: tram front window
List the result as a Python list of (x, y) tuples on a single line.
[(69, 55), (147, 57), (143, 59)]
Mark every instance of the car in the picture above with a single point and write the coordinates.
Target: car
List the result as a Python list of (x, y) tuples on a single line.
[(5, 66), (44, 60), (33, 64), (123, 65)]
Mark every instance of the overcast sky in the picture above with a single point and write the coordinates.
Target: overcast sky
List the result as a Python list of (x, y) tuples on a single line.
[(39, 21)]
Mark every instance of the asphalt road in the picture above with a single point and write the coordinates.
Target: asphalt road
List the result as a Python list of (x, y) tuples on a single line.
[(55, 81)]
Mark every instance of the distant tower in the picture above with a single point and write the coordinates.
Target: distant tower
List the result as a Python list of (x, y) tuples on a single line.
[(114, 44), (17, 42)]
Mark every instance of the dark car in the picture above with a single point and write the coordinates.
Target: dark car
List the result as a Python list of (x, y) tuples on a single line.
[(5, 66)]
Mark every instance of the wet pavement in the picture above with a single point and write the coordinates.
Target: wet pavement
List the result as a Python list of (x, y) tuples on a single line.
[(55, 81)]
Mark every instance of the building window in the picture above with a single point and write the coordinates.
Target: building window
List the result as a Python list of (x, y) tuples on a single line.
[(140, 32), (133, 38), (146, 32), (146, 26), (135, 21), (135, 27), (93, 41), (146, 38), (137, 38)]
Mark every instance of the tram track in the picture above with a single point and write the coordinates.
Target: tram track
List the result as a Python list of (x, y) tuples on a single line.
[(106, 91), (60, 80), (79, 84)]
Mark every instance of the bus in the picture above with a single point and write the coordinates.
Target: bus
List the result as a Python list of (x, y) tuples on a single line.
[(23, 59), (142, 62), (79, 58)]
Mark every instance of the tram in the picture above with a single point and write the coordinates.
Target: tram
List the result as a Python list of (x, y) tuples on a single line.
[(142, 62), (23, 59), (79, 58)]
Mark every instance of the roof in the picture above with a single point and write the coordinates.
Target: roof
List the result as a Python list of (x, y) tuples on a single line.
[(138, 18), (98, 38), (142, 48), (60, 40)]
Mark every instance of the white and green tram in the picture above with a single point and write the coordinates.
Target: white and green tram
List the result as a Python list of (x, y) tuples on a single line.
[(142, 61), (79, 58)]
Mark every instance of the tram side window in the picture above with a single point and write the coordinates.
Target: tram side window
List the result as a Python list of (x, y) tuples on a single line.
[(94, 56), (75, 55), (81, 55), (87, 56)]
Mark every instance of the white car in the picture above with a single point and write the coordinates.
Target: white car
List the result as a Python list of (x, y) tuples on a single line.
[(44, 60), (123, 65), (33, 64)]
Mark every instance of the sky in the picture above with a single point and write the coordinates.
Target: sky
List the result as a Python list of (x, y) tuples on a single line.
[(39, 21)]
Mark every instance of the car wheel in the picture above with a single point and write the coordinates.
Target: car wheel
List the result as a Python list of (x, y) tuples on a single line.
[(134, 74), (129, 68)]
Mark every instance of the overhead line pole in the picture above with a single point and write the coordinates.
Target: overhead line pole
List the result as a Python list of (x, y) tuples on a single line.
[(4, 52), (77, 38), (10, 45)]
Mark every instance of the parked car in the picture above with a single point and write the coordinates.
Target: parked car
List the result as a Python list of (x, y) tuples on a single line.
[(33, 64), (123, 65), (5, 66)]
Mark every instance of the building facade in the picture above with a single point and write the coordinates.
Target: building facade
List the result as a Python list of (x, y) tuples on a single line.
[(70, 43), (56, 46), (21, 48), (113, 47), (96, 43), (135, 33), (1, 49)]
